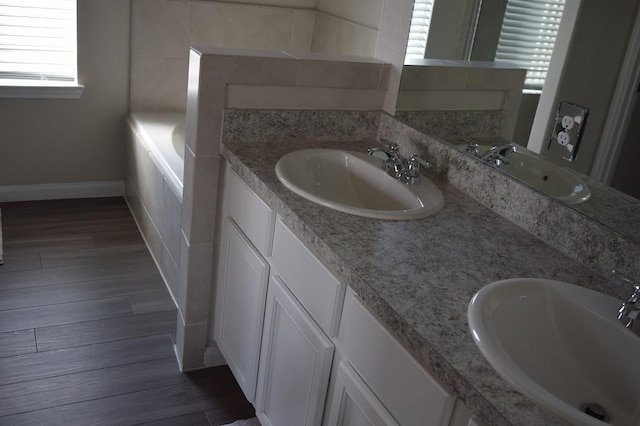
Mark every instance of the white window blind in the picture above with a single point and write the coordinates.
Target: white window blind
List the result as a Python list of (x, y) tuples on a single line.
[(38, 42), (528, 35), (419, 31)]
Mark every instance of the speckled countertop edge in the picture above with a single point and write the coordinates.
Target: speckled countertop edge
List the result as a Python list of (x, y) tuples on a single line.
[(418, 276)]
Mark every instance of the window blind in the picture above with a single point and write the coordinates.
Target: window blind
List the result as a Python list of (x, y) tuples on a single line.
[(419, 30), (528, 35), (38, 41)]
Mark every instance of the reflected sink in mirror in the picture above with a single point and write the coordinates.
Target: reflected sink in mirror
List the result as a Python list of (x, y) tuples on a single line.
[(355, 183), (548, 178), (562, 346)]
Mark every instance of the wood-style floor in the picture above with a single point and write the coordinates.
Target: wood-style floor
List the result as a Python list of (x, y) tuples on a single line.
[(86, 326)]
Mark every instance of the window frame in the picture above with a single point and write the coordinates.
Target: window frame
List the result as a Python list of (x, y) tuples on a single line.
[(43, 88)]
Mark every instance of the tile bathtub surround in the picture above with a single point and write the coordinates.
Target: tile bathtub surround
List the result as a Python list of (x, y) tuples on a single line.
[(411, 275), (164, 30)]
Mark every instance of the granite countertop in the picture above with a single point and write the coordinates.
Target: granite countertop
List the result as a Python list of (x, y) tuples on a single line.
[(418, 276)]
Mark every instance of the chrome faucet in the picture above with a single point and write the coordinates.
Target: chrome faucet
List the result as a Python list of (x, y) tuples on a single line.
[(406, 171), (497, 154), (629, 312), (472, 147)]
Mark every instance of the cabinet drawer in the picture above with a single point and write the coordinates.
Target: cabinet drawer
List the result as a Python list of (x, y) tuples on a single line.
[(310, 281), (254, 217), (410, 394)]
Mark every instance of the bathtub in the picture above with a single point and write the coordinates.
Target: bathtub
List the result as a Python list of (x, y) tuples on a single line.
[(154, 186), (163, 135)]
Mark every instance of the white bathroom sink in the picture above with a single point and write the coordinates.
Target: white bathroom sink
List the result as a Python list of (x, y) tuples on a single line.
[(355, 183), (548, 178), (561, 345)]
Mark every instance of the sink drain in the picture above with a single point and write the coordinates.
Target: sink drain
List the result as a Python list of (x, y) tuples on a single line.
[(595, 411)]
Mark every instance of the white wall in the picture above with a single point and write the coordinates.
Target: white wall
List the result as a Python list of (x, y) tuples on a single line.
[(75, 140)]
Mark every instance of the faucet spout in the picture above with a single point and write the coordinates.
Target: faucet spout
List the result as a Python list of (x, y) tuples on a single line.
[(497, 154), (629, 312), (406, 171), (389, 156)]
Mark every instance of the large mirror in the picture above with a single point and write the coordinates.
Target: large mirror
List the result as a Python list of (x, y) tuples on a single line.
[(589, 66)]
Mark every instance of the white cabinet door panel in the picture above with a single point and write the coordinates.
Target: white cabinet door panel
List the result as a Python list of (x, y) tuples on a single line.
[(354, 404), (240, 299), (295, 363)]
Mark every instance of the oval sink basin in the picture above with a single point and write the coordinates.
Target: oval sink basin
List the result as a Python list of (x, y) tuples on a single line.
[(550, 179), (562, 346), (355, 183), (545, 176)]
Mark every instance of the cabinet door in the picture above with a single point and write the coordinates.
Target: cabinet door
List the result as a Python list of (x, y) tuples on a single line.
[(295, 363), (403, 386), (240, 299), (353, 403)]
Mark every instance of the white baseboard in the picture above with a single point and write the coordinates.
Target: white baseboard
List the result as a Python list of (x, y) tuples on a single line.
[(58, 191)]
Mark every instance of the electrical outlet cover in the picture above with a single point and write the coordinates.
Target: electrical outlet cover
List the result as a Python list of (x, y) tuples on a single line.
[(567, 131)]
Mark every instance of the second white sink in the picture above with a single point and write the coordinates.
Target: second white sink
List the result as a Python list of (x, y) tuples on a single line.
[(355, 183), (562, 346)]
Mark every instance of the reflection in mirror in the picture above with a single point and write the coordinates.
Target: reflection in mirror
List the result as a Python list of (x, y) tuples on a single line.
[(590, 66), (561, 183)]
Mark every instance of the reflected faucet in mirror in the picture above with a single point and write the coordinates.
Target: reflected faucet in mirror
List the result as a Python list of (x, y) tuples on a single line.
[(629, 312)]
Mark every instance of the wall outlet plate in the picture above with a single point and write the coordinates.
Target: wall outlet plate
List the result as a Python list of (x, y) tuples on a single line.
[(567, 131)]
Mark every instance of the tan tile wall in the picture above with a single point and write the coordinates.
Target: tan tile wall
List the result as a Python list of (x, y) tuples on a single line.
[(164, 30), (439, 85)]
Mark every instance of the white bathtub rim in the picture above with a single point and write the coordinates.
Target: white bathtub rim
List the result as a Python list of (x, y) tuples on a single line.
[(172, 170)]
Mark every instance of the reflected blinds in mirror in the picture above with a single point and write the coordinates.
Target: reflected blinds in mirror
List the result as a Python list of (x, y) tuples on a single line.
[(37, 41), (528, 35), (419, 30)]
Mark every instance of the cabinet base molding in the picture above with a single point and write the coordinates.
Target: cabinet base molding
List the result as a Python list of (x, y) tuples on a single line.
[(213, 357)]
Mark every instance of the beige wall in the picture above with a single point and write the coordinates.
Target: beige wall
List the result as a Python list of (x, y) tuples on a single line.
[(592, 66), (163, 31), (303, 4), (75, 140), (362, 12)]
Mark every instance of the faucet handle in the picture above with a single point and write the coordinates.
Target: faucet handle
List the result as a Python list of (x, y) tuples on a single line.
[(416, 160), (472, 146), (392, 147), (412, 172)]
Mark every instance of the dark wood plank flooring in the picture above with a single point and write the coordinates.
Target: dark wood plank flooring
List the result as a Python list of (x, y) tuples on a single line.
[(86, 326)]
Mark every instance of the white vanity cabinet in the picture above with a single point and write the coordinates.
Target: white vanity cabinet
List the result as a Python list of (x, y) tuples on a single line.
[(242, 277), (280, 317)]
